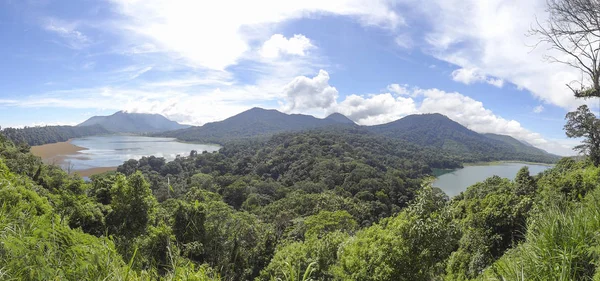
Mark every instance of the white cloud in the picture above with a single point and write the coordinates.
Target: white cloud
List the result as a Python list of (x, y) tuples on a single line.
[(73, 38), (473, 75), (491, 37), (382, 108), (309, 93), (375, 109), (538, 109), (278, 45), (218, 34), (404, 40)]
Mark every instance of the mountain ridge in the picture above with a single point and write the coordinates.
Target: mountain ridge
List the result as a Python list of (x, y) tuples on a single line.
[(432, 130)]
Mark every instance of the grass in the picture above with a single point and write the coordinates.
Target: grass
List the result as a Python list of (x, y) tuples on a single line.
[(561, 244)]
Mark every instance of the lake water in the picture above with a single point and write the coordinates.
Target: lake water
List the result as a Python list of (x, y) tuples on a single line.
[(112, 151), (457, 181)]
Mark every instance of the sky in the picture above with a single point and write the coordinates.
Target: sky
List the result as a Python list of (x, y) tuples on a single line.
[(374, 61)]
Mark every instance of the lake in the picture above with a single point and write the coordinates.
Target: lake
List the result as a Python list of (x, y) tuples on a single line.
[(456, 181), (112, 151)]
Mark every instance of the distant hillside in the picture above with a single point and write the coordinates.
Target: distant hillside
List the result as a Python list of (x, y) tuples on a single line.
[(50, 134), (428, 130), (520, 146), (256, 122), (123, 122), (437, 130)]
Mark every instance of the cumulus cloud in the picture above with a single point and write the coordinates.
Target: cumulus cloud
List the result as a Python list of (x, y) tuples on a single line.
[(473, 75), (538, 109), (375, 109), (278, 45), (382, 108), (187, 29), (309, 93)]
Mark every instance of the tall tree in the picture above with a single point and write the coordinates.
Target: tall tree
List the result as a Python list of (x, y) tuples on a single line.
[(583, 123)]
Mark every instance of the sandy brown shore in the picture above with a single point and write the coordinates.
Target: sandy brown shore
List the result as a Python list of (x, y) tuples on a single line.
[(94, 171), (56, 153)]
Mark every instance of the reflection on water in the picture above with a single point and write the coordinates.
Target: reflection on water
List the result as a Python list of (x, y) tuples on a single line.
[(112, 151), (453, 182)]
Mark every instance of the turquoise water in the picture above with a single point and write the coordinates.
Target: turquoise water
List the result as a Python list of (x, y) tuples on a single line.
[(453, 182), (112, 151)]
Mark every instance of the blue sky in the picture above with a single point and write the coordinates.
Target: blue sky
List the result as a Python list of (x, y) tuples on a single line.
[(195, 62)]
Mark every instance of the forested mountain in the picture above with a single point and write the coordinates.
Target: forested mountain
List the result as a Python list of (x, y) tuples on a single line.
[(255, 122), (124, 122), (439, 131), (50, 134), (430, 130)]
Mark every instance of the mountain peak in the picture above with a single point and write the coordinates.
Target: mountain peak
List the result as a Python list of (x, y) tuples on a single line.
[(339, 118)]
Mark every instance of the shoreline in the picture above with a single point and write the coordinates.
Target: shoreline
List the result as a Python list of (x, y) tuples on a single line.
[(505, 162), (56, 153), (94, 171)]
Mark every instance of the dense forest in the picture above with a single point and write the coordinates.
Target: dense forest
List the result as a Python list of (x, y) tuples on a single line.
[(316, 205), (50, 134)]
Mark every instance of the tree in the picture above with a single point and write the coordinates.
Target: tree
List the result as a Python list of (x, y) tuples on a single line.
[(132, 206), (573, 29), (525, 184), (583, 123)]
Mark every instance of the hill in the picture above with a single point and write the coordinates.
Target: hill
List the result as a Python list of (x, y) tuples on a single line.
[(123, 122), (439, 131), (253, 123), (50, 134)]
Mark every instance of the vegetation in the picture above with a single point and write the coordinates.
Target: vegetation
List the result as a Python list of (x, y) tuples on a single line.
[(439, 131), (336, 205), (50, 134)]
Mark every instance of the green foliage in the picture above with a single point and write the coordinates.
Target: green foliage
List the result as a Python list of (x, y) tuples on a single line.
[(50, 134), (560, 245), (492, 215), (35, 244), (582, 123), (132, 206), (316, 254), (410, 246), (337, 205)]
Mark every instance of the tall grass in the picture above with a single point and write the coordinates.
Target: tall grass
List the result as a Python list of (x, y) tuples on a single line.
[(561, 244)]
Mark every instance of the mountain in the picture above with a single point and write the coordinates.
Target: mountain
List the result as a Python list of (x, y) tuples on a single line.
[(256, 122), (437, 130), (123, 122), (426, 130)]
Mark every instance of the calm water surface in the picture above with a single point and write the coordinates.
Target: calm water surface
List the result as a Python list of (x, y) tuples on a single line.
[(457, 181), (112, 151)]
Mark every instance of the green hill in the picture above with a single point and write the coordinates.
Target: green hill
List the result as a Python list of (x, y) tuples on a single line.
[(255, 122), (439, 131)]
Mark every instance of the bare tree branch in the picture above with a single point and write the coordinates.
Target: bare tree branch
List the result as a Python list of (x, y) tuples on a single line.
[(573, 29)]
